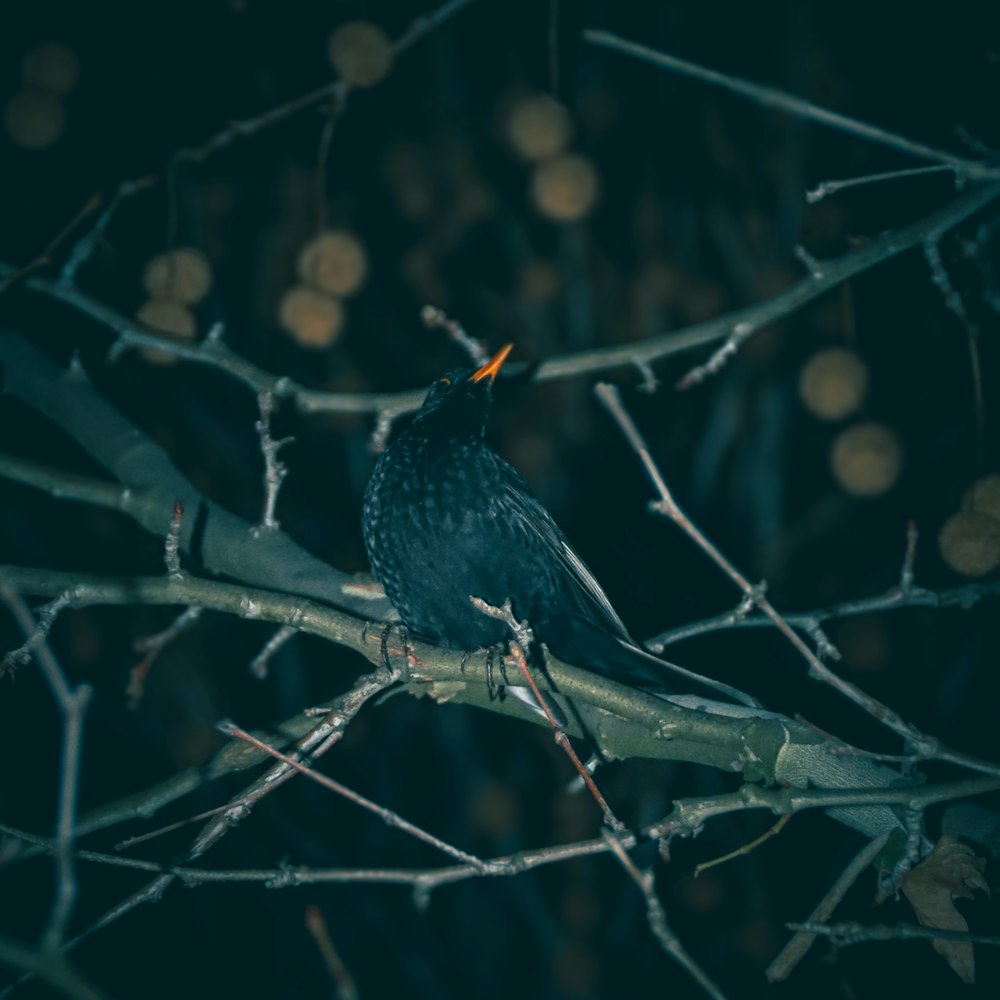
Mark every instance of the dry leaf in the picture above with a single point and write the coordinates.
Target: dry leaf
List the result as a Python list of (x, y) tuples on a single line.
[(950, 871)]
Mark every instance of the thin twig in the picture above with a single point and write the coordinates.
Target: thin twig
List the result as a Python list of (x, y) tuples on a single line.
[(772, 97), (152, 646), (275, 470), (387, 816), (793, 952), (925, 747), (145, 838), (553, 40), (810, 622), (63, 485), (321, 738), (45, 257), (437, 319), (84, 248), (656, 917), (47, 615), (155, 643), (51, 969), (72, 703), (338, 105), (132, 336), (853, 932), (953, 302), (744, 849), (687, 819), (825, 188), (316, 742), (238, 130), (909, 559), (69, 783), (343, 982), (523, 640), (336, 91), (259, 664)]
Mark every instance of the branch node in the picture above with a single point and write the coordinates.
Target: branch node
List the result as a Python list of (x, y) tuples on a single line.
[(811, 264), (650, 383), (275, 470), (172, 543)]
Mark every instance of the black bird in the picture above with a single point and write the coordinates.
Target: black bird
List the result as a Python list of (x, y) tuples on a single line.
[(446, 518)]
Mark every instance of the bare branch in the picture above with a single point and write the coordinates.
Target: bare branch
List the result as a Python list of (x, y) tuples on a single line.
[(259, 664), (953, 302), (84, 248), (964, 597), (343, 982), (925, 747), (772, 97), (47, 615), (826, 188), (153, 646), (63, 485), (656, 917), (744, 849), (437, 319), (51, 969), (686, 820), (316, 742), (155, 643), (793, 952), (622, 721), (153, 483), (337, 90), (72, 703), (747, 321), (13, 276), (852, 932), (386, 815)]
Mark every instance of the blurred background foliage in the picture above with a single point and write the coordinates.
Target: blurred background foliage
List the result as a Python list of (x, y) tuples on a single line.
[(543, 191)]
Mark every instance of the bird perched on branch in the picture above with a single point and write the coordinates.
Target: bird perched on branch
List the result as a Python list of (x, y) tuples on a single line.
[(446, 519)]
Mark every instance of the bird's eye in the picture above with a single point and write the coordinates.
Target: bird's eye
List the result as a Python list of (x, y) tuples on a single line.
[(444, 381)]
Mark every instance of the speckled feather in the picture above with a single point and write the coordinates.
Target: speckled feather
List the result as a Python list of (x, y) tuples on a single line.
[(446, 518), (439, 527)]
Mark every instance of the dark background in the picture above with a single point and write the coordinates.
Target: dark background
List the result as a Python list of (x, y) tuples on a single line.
[(690, 176)]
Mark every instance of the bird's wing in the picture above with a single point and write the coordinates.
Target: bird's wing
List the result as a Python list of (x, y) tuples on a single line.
[(537, 520)]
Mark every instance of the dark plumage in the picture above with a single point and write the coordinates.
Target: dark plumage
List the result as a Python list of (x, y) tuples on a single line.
[(445, 517)]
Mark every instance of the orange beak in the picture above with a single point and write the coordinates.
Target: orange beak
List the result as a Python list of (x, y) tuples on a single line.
[(490, 369)]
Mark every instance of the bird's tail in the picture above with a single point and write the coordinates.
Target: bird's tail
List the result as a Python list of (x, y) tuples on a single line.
[(585, 645)]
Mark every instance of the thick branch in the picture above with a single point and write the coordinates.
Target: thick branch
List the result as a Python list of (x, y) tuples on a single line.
[(621, 721), (224, 543)]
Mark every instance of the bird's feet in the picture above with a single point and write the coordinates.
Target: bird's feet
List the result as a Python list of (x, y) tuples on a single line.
[(385, 651), (494, 655)]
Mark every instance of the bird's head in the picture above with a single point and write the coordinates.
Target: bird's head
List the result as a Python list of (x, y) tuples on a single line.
[(458, 403)]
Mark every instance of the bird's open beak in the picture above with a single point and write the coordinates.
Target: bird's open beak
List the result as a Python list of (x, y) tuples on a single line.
[(490, 369)]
